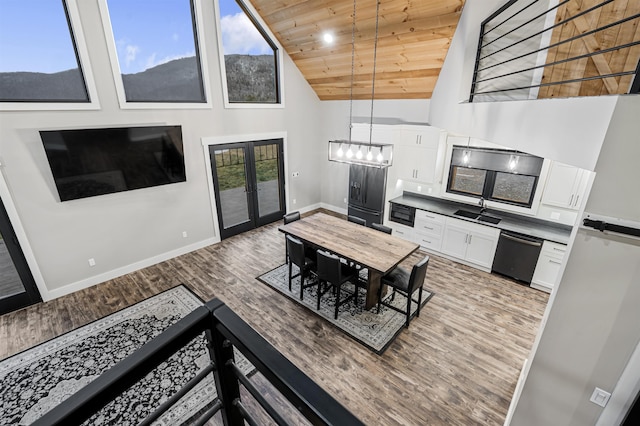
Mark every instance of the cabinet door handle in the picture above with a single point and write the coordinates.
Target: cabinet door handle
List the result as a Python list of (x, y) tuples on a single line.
[(571, 201), (470, 238), (577, 198), (466, 238), (559, 249), (555, 261), (426, 227)]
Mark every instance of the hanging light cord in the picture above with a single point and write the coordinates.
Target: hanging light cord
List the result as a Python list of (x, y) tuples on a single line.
[(353, 54), (373, 84)]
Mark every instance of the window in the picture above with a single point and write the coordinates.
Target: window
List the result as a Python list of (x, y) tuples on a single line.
[(155, 50), (39, 56), (250, 59), (503, 176)]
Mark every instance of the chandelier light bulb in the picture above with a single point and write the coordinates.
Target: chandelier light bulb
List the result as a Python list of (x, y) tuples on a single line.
[(359, 153), (380, 157), (349, 152), (369, 155), (465, 158), (340, 152)]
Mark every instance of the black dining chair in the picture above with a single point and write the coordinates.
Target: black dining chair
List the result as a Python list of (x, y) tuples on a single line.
[(298, 257), (334, 273), (380, 227), (405, 283), (356, 219), (288, 218)]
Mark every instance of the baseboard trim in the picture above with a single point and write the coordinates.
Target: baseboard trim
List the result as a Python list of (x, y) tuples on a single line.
[(118, 272)]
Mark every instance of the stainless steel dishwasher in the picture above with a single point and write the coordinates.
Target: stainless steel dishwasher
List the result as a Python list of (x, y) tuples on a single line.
[(517, 256)]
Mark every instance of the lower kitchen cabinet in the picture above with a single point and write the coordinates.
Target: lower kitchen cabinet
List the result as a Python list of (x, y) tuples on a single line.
[(402, 231), (428, 229), (548, 267), (470, 242)]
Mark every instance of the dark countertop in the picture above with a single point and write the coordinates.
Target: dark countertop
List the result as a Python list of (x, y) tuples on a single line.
[(544, 229)]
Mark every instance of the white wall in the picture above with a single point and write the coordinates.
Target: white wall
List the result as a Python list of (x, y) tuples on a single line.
[(128, 230), (594, 323), (568, 130)]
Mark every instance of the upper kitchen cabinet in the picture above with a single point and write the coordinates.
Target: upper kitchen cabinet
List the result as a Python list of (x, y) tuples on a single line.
[(416, 152), (565, 186), (379, 133)]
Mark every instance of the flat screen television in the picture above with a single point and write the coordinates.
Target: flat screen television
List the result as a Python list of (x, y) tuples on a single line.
[(90, 162)]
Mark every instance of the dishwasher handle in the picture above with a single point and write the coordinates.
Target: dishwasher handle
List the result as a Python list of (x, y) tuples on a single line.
[(520, 240)]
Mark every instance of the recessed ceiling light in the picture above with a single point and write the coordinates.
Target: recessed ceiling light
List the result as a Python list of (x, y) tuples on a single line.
[(328, 37)]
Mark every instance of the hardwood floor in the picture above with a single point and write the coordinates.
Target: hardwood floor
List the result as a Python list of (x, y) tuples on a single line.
[(458, 363)]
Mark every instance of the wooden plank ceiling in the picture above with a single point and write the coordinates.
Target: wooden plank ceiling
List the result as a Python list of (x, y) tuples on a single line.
[(413, 39)]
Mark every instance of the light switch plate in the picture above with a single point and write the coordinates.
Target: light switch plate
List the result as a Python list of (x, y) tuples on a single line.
[(600, 397)]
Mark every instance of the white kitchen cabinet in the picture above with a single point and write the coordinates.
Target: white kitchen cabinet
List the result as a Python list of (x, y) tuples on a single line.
[(380, 133), (416, 153), (402, 231), (470, 242), (565, 186), (547, 270), (428, 229)]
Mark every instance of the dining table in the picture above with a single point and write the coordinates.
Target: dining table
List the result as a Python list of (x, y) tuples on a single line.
[(376, 251)]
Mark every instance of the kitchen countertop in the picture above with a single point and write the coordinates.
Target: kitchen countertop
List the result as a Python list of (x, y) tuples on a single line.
[(544, 229)]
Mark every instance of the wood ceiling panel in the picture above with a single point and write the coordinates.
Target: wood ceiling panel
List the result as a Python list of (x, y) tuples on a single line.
[(413, 39)]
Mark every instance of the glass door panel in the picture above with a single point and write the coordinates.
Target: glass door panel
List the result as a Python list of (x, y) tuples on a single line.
[(232, 187), (17, 286), (269, 180)]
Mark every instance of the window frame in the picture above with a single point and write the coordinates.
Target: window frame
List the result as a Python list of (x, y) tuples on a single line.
[(82, 55), (488, 186), (198, 28), (262, 27)]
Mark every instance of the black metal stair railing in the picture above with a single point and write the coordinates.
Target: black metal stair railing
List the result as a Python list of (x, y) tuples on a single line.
[(224, 330)]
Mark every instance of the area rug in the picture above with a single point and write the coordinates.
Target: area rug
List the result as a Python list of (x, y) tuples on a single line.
[(34, 381), (375, 331)]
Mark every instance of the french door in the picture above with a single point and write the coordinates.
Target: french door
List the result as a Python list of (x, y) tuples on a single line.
[(17, 286), (248, 179)]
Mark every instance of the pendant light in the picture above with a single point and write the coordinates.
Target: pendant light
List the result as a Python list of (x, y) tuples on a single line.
[(384, 157)]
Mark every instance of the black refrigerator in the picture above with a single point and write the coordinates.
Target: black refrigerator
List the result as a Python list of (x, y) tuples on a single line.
[(366, 193)]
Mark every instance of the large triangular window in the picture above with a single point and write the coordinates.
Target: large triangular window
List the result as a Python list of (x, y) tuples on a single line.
[(41, 56), (250, 59), (155, 52)]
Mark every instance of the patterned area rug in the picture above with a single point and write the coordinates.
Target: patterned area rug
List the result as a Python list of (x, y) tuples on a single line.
[(375, 331), (34, 381)]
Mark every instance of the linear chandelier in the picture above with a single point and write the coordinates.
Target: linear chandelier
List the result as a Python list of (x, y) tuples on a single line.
[(362, 153)]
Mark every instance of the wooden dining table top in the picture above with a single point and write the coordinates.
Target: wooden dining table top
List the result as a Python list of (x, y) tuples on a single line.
[(365, 246)]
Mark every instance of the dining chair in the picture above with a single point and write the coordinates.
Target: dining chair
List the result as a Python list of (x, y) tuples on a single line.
[(288, 218), (298, 257), (405, 283), (380, 227), (356, 219), (331, 271)]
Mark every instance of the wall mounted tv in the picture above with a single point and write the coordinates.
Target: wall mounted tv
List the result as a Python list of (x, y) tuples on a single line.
[(90, 162)]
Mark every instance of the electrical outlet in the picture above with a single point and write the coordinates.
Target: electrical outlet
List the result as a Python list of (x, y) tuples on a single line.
[(419, 188), (600, 397), (345, 200), (184, 234), (92, 262), (295, 174), (294, 201)]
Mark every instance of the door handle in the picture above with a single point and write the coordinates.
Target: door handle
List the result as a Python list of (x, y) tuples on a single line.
[(470, 238), (520, 240)]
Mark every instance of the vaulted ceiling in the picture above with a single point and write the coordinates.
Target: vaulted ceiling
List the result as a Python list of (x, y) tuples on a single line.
[(413, 39)]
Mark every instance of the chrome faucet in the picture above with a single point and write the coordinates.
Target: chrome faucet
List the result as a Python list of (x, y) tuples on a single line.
[(482, 206)]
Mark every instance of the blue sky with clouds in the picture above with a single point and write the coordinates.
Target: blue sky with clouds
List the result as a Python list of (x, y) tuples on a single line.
[(146, 32)]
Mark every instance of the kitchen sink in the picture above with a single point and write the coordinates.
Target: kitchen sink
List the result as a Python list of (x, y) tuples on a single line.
[(489, 219), (467, 214), (480, 217)]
